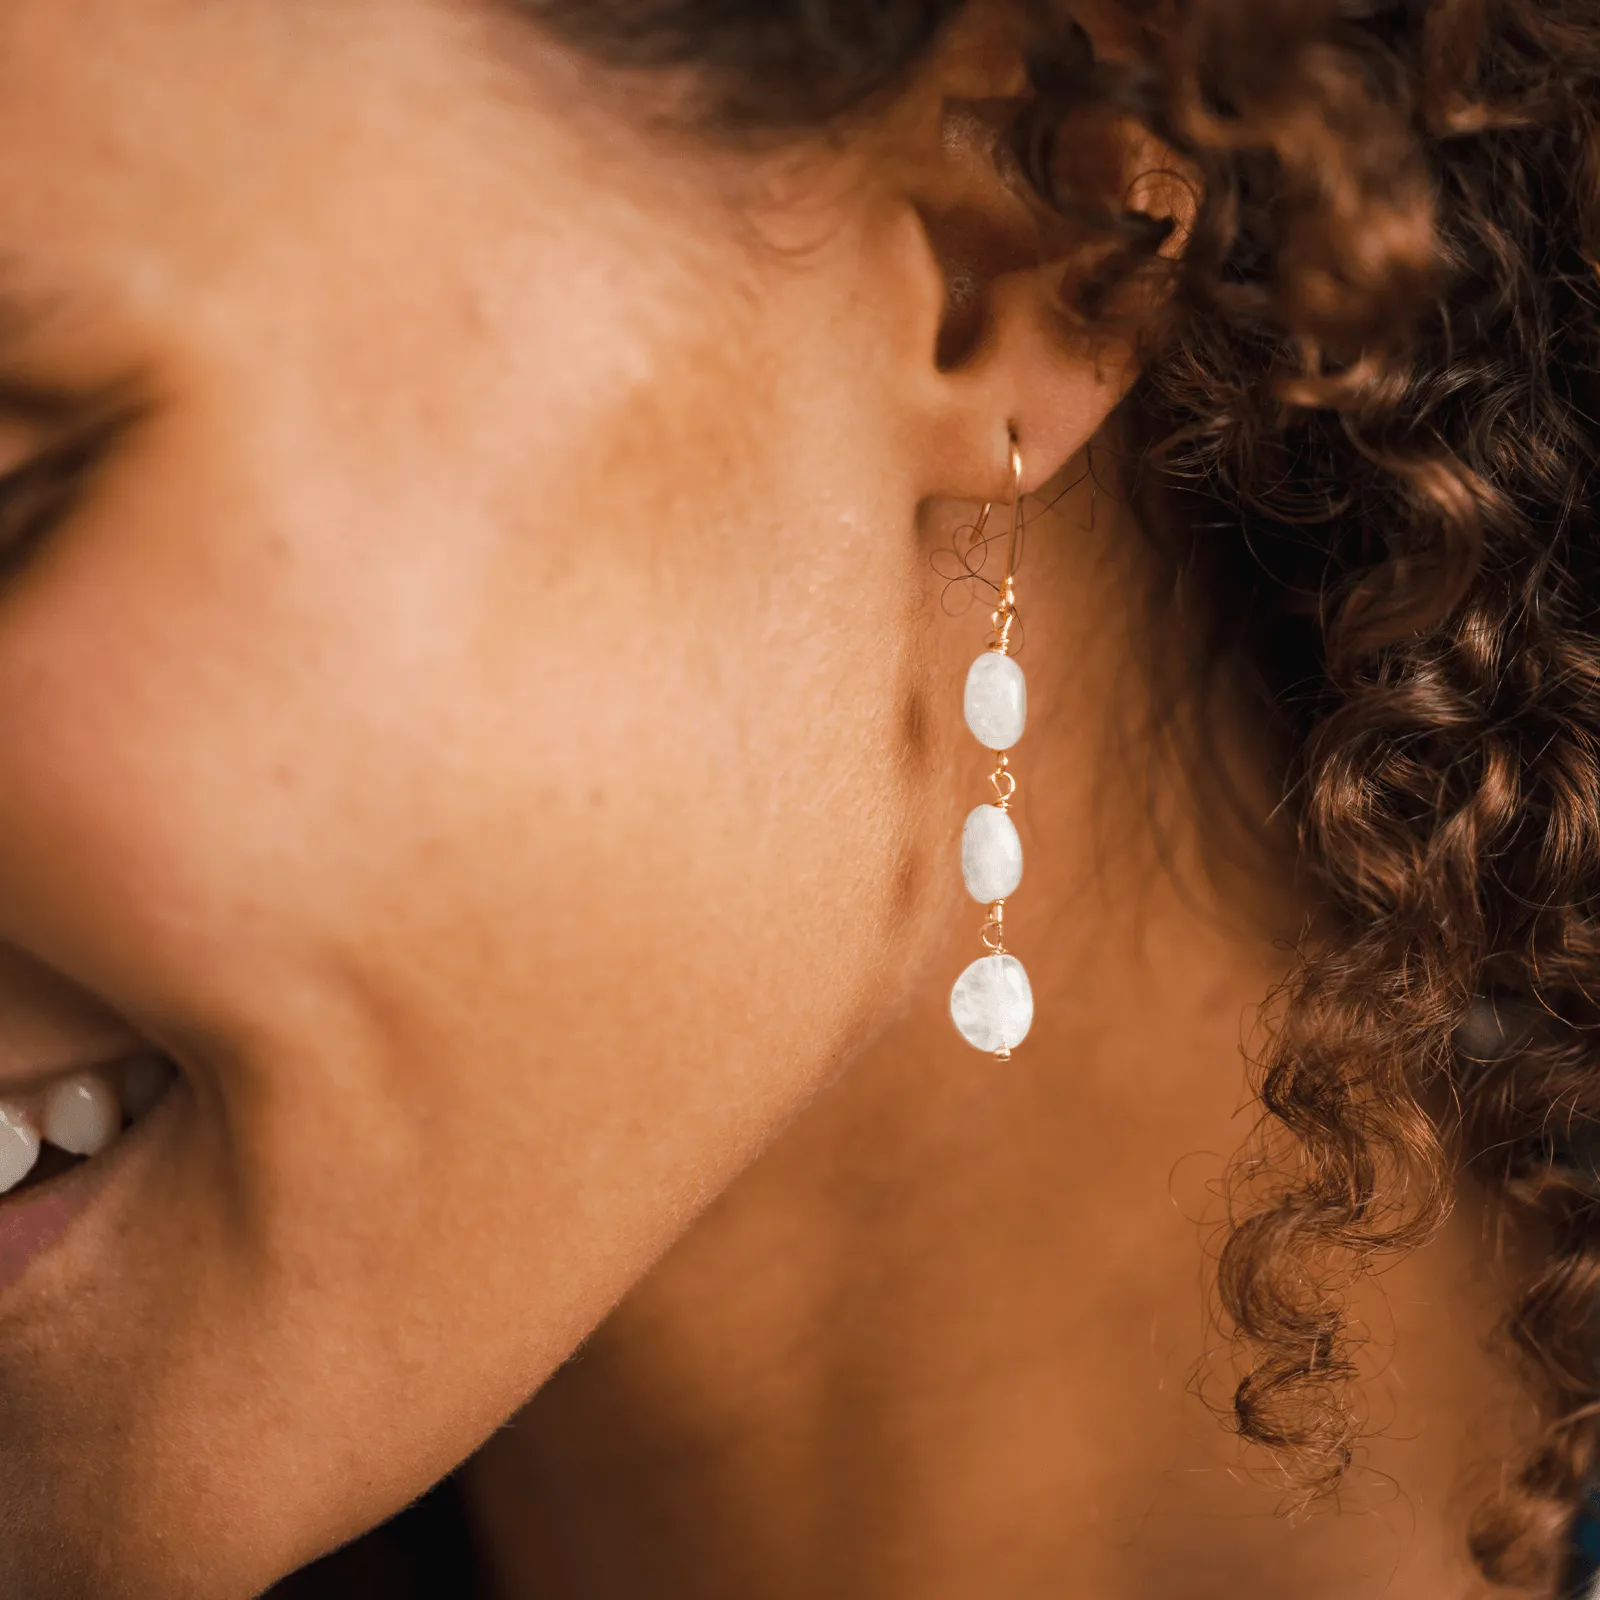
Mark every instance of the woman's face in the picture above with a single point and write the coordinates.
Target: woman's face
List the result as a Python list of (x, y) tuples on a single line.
[(474, 711)]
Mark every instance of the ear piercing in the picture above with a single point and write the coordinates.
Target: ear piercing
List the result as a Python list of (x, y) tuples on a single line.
[(992, 1002)]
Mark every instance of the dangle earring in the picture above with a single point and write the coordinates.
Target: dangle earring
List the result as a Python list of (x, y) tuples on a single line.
[(992, 1002)]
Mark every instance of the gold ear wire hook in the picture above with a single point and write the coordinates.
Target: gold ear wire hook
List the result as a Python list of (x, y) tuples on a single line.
[(1005, 614), (1016, 504), (1016, 511)]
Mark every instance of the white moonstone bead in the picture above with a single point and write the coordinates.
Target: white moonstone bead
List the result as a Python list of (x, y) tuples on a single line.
[(991, 855), (992, 1004), (19, 1146), (997, 701)]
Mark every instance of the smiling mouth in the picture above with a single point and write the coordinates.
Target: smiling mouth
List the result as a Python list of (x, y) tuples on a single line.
[(66, 1122)]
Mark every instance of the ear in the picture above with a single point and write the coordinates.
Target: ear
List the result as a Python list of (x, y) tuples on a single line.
[(1009, 357)]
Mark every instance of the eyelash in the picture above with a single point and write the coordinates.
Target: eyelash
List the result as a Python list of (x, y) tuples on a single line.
[(36, 497)]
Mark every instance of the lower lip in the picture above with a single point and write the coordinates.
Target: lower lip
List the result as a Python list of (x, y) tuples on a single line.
[(34, 1221), (29, 1226)]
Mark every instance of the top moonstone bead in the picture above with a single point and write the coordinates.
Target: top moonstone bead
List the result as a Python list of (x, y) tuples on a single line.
[(996, 701)]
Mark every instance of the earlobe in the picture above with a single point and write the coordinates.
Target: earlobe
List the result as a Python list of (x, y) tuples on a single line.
[(1032, 374)]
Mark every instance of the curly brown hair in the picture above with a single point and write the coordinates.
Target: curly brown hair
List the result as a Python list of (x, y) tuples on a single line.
[(1370, 423)]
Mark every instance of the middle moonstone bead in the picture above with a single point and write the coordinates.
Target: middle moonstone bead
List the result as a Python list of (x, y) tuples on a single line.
[(996, 701), (991, 855)]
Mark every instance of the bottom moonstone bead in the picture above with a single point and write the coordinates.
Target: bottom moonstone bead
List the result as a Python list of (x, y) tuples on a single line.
[(992, 1004)]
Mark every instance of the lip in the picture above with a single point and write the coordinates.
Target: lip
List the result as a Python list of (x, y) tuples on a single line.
[(36, 1220)]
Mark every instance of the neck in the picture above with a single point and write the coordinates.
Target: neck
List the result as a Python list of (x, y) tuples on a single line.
[(946, 1337)]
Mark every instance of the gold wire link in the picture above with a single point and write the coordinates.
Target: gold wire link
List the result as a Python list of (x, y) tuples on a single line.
[(994, 930), (1004, 781), (1004, 618)]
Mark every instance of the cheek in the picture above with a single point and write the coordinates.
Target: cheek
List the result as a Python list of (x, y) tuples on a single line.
[(411, 802)]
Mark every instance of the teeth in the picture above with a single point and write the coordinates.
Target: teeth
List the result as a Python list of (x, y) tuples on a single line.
[(19, 1146), (144, 1081), (82, 1115)]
